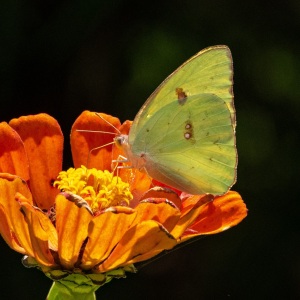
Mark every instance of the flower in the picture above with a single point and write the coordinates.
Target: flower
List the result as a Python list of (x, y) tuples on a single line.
[(91, 223)]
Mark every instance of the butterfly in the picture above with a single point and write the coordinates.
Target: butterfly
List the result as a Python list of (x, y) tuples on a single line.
[(184, 134)]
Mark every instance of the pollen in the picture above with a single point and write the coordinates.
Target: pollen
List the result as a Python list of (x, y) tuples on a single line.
[(101, 189)]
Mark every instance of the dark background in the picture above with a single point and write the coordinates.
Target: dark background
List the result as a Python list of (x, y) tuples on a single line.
[(108, 56)]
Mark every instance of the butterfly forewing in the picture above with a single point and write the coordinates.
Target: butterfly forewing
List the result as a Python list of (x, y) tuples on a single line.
[(209, 71), (190, 147)]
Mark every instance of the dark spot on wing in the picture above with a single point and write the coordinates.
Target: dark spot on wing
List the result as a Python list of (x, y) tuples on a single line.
[(189, 131), (181, 96)]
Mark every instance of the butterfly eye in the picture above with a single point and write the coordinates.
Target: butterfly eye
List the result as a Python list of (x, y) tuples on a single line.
[(120, 140)]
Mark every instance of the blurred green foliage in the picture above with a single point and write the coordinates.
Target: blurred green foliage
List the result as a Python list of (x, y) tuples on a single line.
[(62, 57)]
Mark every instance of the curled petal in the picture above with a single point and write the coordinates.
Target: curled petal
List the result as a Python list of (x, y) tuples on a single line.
[(139, 243), (221, 214), (43, 140), (159, 209), (72, 228), (13, 227), (195, 201), (88, 148), (42, 232), (79, 201), (162, 185), (105, 231), (160, 192), (13, 158)]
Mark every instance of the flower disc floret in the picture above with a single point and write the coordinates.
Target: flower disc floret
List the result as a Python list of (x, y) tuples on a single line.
[(101, 189)]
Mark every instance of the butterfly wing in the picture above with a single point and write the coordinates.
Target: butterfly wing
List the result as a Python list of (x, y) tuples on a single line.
[(209, 71), (202, 159), (190, 147)]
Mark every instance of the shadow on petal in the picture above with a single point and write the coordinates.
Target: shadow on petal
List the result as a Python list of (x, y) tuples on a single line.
[(139, 243), (13, 227)]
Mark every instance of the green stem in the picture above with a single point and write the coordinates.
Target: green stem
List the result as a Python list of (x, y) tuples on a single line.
[(60, 291)]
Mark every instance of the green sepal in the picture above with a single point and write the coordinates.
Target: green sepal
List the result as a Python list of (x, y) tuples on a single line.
[(76, 284), (72, 285)]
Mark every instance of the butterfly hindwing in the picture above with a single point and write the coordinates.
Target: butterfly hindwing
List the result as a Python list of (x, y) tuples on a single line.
[(190, 146)]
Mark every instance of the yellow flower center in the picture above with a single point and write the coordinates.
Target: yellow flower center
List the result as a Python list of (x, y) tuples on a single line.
[(100, 189)]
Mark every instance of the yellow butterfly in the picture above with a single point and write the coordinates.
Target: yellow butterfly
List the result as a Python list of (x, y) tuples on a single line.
[(184, 135)]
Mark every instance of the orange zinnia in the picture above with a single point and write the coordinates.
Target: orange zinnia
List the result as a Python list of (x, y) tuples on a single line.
[(84, 226)]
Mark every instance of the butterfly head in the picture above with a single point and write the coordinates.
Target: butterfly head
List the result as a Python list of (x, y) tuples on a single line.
[(121, 140)]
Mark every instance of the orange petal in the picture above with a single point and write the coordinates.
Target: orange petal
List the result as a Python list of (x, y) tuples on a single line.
[(139, 183), (42, 232), (192, 208), (139, 243), (72, 227), (88, 148), (105, 231), (224, 212), (43, 140), (13, 227), (195, 201), (125, 127), (158, 209), (13, 158)]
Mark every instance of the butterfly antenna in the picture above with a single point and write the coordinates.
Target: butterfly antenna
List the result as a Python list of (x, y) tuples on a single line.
[(100, 131), (95, 131), (98, 115)]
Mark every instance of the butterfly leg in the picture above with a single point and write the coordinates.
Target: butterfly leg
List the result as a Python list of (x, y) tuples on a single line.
[(115, 163)]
